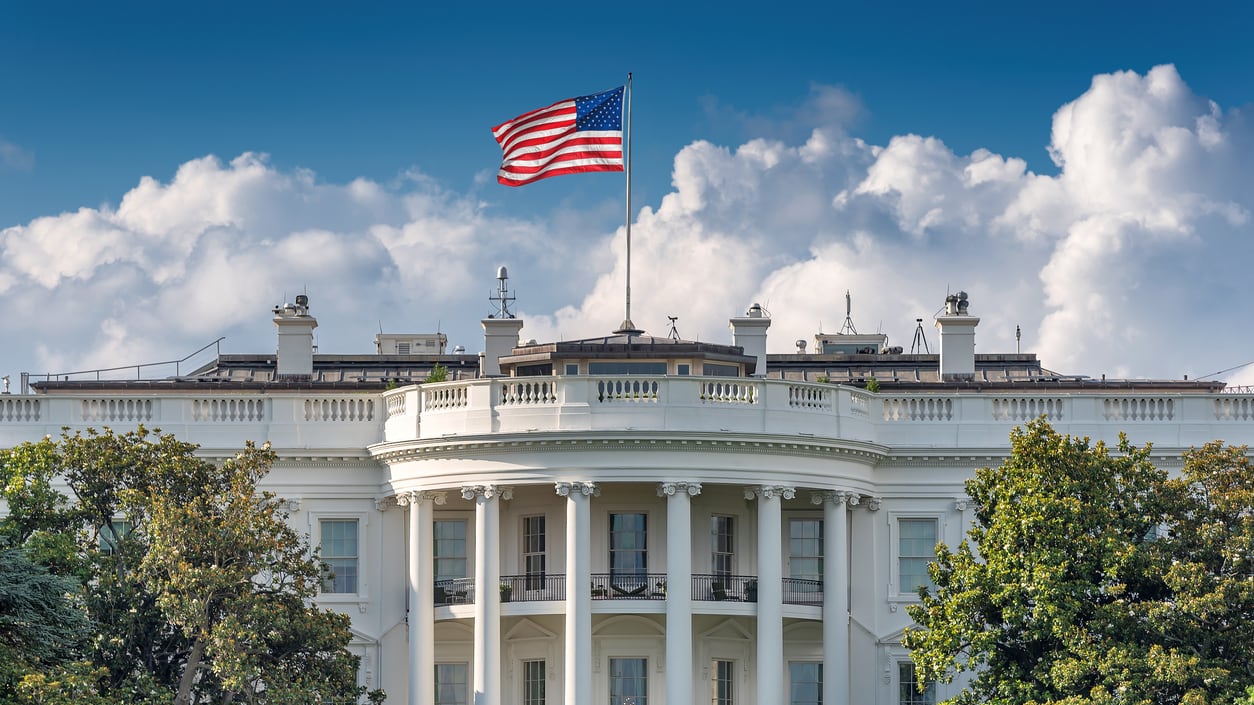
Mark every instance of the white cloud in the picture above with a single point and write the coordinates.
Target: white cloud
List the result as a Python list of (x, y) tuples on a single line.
[(1129, 261)]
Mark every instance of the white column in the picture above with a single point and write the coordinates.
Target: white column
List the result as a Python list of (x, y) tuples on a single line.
[(835, 595), (771, 683), (421, 594), (487, 667), (578, 657), (679, 588)]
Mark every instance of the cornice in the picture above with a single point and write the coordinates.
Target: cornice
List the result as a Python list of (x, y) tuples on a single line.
[(869, 454)]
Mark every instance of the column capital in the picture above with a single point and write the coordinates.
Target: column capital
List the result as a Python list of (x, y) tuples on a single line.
[(409, 499), (961, 503), (572, 489), (835, 497), (873, 503), (487, 492), (770, 492), (386, 503), (670, 489)]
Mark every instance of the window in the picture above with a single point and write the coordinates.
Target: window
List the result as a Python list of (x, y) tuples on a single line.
[(908, 687), (450, 549), (113, 534), (572, 368), (533, 551), (402, 348), (533, 683), (683, 369), (626, 368), (450, 684), (805, 548), (339, 553), (916, 548), (805, 683), (710, 369), (723, 688), (629, 681), (628, 546), (722, 546)]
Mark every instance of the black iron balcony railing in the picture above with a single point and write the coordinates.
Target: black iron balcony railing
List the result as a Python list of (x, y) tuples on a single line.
[(725, 588), (533, 587), (803, 591), (629, 586), (455, 591)]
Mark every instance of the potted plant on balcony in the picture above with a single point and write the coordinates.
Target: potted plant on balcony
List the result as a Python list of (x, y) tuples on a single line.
[(751, 590), (507, 591)]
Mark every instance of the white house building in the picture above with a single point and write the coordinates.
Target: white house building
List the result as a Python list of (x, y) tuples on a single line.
[(629, 519)]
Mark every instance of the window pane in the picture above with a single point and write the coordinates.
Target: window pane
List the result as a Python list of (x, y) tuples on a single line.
[(450, 549), (805, 543), (805, 683), (916, 549), (451, 684), (909, 693), (723, 687), (722, 542), (629, 681), (339, 553), (533, 683), (628, 544)]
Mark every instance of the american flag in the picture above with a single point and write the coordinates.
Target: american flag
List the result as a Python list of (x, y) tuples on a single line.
[(568, 137)]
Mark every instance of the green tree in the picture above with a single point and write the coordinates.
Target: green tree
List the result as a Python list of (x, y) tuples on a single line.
[(42, 626), (196, 588), (1093, 577)]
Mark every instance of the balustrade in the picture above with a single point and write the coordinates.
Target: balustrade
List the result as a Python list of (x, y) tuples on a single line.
[(455, 591), (533, 587), (249, 410), (724, 588), (629, 586), (19, 410)]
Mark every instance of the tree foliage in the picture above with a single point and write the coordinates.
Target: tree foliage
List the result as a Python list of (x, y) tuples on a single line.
[(194, 586), (1092, 576)]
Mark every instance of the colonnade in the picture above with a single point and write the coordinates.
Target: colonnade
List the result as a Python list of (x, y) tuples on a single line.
[(770, 667)]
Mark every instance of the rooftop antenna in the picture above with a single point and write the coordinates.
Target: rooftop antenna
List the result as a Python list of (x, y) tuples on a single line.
[(1018, 336), (674, 335), (502, 297), (848, 328), (920, 340)]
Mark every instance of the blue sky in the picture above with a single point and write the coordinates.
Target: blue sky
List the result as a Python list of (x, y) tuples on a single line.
[(96, 96)]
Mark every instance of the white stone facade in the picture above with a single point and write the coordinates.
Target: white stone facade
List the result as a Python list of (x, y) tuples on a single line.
[(690, 538)]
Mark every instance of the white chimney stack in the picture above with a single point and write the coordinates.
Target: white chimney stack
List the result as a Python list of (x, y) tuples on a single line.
[(500, 337), (957, 339), (295, 351), (749, 333)]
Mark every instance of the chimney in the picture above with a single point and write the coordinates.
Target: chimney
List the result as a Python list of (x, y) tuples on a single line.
[(500, 337), (749, 333), (957, 339), (295, 351)]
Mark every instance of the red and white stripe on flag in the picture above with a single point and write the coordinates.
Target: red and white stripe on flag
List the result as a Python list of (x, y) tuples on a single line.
[(569, 137)]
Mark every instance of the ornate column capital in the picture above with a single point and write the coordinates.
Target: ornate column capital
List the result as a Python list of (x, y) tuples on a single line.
[(571, 489), (487, 492), (669, 489), (409, 499), (835, 497), (770, 492), (386, 503), (874, 503), (961, 503)]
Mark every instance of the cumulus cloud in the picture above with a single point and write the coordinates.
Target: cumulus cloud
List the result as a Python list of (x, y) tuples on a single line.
[(1129, 261)]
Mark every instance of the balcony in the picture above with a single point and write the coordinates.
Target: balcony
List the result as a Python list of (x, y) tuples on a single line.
[(550, 587), (780, 407), (629, 586)]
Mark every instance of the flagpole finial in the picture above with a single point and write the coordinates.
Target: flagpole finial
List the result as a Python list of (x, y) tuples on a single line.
[(628, 328)]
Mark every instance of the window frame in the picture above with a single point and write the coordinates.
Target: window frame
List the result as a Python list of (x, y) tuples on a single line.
[(467, 544), (526, 681), (610, 550), (534, 580), (819, 683), (916, 697), (610, 680), (364, 552), (435, 682), (730, 556), (898, 592), (788, 547)]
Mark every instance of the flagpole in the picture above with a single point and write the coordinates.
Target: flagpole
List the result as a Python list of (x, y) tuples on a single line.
[(627, 327)]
